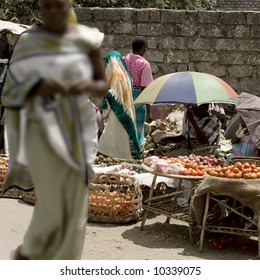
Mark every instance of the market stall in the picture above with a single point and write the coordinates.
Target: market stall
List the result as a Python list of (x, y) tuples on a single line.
[(228, 201), (176, 204)]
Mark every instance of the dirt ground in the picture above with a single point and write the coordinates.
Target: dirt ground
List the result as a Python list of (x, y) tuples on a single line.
[(158, 241)]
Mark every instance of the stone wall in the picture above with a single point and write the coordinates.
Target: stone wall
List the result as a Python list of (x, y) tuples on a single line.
[(225, 44), (238, 4)]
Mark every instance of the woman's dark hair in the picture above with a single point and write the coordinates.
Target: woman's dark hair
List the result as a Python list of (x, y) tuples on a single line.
[(138, 44)]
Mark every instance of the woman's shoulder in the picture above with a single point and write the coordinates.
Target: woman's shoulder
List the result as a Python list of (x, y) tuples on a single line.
[(88, 37)]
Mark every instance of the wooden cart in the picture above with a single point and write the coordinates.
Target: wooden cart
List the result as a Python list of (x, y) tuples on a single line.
[(167, 204)]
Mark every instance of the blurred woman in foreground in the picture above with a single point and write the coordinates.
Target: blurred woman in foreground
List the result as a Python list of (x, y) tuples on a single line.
[(52, 128)]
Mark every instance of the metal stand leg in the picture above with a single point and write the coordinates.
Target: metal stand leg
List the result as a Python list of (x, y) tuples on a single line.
[(175, 198), (258, 229), (149, 202), (204, 222), (191, 215)]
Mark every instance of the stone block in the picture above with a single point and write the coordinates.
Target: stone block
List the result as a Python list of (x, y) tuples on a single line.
[(211, 30), (253, 18), (177, 43), (84, 14), (249, 45), (182, 67), (177, 57), (152, 42), (211, 68), (232, 58), (128, 15), (249, 85), (238, 31), (106, 27), (124, 28), (107, 14), (240, 71), (255, 31), (168, 29), (167, 68), (253, 59), (173, 16), (155, 15), (202, 55), (208, 17), (199, 44), (154, 56), (143, 15), (154, 67), (233, 18), (185, 30), (145, 29), (225, 45), (109, 41)]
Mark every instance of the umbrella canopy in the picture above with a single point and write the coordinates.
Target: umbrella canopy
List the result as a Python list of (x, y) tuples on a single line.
[(248, 107), (187, 88)]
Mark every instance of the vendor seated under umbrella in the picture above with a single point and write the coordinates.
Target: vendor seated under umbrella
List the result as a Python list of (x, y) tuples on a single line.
[(204, 127)]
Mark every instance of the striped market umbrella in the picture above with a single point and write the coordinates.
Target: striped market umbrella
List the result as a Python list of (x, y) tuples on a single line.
[(187, 88)]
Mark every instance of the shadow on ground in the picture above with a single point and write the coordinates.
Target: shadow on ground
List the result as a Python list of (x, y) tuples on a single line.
[(164, 235)]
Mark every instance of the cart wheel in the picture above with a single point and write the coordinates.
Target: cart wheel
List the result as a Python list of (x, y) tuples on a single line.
[(194, 228)]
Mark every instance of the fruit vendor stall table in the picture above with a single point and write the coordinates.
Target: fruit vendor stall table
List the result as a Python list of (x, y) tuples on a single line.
[(166, 204), (228, 206)]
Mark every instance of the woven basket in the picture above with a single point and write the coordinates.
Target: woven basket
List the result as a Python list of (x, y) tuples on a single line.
[(251, 160), (3, 171), (160, 189), (114, 198)]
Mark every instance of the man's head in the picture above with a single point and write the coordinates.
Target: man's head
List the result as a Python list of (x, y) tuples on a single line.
[(139, 46), (201, 111)]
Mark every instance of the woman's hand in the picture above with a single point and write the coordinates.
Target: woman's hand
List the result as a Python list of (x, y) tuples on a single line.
[(50, 87), (93, 87)]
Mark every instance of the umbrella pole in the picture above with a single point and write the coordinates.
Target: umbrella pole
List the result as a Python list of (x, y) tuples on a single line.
[(188, 137)]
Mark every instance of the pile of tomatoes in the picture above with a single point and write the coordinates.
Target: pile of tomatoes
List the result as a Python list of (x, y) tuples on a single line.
[(187, 165), (238, 170)]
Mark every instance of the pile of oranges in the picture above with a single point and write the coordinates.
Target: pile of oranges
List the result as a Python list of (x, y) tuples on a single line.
[(111, 203), (238, 170)]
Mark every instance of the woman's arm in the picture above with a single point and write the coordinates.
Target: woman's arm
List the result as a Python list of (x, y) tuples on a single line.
[(98, 86)]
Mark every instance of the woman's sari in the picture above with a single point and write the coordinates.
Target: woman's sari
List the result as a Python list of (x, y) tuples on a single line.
[(140, 112), (52, 139), (119, 138)]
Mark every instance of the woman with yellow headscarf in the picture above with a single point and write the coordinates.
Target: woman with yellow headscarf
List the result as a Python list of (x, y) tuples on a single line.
[(52, 130)]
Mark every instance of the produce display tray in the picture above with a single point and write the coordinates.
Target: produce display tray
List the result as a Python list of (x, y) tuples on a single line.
[(171, 210), (230, 230), (174, 176)]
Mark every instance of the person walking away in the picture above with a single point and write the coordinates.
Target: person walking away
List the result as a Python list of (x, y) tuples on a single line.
[(119, 138), (52, 129), (141, 73)]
